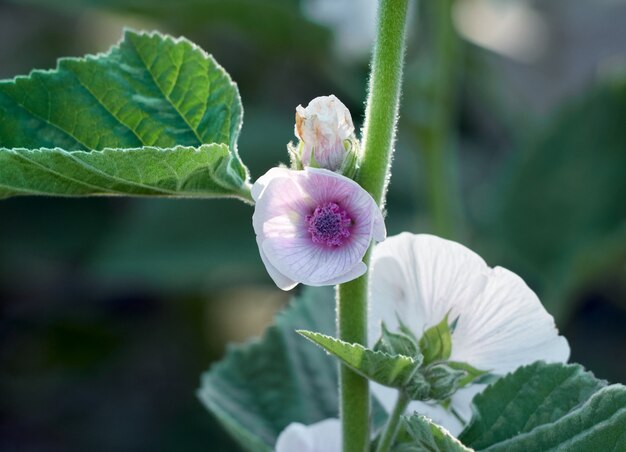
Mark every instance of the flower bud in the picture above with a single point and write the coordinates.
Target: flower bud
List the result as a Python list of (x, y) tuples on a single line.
[(326, 136), (444, 380)]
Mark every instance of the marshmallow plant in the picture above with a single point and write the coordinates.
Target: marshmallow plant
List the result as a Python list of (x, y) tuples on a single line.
[(459, 356)]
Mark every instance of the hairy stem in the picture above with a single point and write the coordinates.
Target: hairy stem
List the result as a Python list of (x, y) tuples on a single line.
[(391, 428), (378, 138)]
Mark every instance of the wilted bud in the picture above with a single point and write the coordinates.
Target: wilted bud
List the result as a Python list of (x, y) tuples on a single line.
[(326, 136)]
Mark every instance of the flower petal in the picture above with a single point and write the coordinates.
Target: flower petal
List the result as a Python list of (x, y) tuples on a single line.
[(323, 436), (311, 264), (506, 327), (281, 281)]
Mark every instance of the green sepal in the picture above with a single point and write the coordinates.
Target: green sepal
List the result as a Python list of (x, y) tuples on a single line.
[(473, 375), (396, 343), (352, 159), (436, 342), (443, 379), (417, 388), (394, 371)]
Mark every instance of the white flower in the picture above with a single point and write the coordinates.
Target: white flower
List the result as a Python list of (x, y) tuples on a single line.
[(324, 436), (500, 322), (323, 128)]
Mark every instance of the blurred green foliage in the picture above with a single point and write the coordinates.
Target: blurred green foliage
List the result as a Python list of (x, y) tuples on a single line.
[(561, 204)]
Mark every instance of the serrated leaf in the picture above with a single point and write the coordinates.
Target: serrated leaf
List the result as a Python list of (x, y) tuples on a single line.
[(261, 387), (600, 424), (436, 342), (545, 407), (388, 370), (418, 433), (148, 95), (180, 171)]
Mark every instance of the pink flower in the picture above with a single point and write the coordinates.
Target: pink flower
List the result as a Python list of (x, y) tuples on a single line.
[(313, 226)]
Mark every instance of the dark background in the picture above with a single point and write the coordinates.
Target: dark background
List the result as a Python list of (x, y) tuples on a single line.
[(111, 308)]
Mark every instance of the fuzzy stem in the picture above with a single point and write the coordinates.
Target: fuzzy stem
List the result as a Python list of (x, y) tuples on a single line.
[(391, 428), (378, 138)]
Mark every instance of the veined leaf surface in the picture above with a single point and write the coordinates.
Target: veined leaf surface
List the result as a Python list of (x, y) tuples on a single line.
[(153, 96)]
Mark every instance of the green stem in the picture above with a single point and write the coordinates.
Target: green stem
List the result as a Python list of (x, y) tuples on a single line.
[(391, 428), (378, 138), (439, 161), (384, 98)]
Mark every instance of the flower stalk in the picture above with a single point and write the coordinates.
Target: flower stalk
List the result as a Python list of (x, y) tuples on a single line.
[(378, 138), (393, 423)]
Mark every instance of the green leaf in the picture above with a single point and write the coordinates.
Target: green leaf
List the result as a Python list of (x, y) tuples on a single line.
[(389, 370), (546, 407), (180, 171), (418, 433), (261, 387), (148, 95), (561, 219), (436, 343)]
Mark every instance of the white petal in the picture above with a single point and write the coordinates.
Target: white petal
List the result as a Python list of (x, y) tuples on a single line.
[(323, 436), (295, 437), (281, 281), (379, 232), (264, 180), (431, 277), (302, 260), (506, 327), (358, 270)]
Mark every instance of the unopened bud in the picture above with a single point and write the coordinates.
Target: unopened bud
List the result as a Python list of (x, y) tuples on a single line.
[(444, 380), (326, 136)]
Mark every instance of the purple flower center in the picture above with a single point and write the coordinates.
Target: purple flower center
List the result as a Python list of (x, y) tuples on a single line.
[(329, 225)]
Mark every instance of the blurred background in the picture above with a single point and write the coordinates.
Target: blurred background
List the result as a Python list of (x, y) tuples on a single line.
[(512, 140)]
